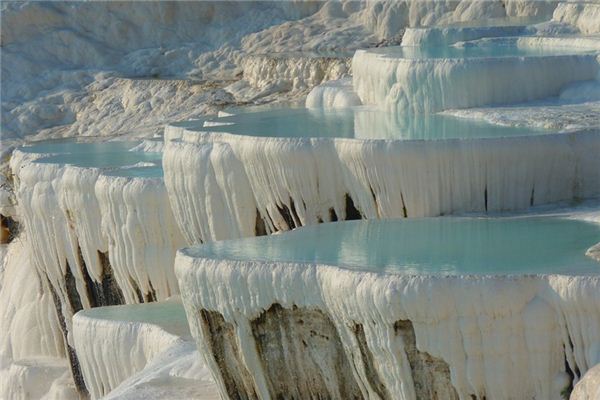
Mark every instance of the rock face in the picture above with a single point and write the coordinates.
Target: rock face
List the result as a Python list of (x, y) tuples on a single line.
[(306, 343)]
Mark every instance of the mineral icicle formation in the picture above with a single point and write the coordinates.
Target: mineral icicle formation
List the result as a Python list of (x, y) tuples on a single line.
[(487, 108)]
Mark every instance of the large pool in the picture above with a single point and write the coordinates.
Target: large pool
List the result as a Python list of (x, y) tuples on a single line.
[(357, 122), (453, 246)]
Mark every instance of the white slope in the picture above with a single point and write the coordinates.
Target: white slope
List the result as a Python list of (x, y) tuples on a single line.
[(56, 56)]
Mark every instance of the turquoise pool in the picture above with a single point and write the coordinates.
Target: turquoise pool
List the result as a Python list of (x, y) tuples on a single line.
[(106, 155), (358, 122), (448, 246)]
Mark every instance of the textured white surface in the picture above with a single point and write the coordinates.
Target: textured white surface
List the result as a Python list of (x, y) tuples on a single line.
[(432, 85), (333, 94), (142, 236), (136, 354), (384, 178), (61, 60), (588, 387), (583, 15), (502, 337), (27, 314)]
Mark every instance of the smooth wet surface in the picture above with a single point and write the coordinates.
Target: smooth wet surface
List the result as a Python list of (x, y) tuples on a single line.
[(70, 145), (358, 122), (169, 315), (496, 22), (138, 172), (482, 48), (97, 155), (447, 246)]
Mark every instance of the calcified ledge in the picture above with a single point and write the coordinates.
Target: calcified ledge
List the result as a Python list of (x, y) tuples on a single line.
[(386, 335), (225, 186), (114, 343), (99, 239), (390, 79)]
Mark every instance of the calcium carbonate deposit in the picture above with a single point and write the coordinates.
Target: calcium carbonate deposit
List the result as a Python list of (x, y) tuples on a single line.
[(300, 200)]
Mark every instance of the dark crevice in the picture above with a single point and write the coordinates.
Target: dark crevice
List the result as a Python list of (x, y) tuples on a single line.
[(332, 215), (368, 363), (431, 375), (351, 212), (259, 226), (295, 213), (224, 349), (287, 216), (485, 199), (531, 199), (404, 212), (106, 292), (71, 354), (72, 293), (373, 194), (87, 280), (576, 373), (151, 295), (136, 289), (9, 229), (566, 391), (112, 294)]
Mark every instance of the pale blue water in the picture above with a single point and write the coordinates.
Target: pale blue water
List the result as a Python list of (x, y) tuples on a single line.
[(139, 172), (64, 146), (358, 122), (521, 22), (448, 246), (107, 155), (169, 315), (484, 48), (106, 159)]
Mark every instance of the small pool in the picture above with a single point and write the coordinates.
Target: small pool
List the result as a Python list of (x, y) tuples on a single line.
[(481, 48), (93, 155), (65, 146), (169, 315), (447, 246), (358, 122), (155, 171)]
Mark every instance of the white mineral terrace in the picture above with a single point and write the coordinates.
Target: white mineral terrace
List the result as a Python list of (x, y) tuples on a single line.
[(148, 344), (425, 308), (488, 124), (430, 79), (227, 179)]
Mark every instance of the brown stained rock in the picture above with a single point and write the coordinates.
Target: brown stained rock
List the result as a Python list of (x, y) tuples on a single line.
[(431, 375), (225, 350), (302, 355)]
